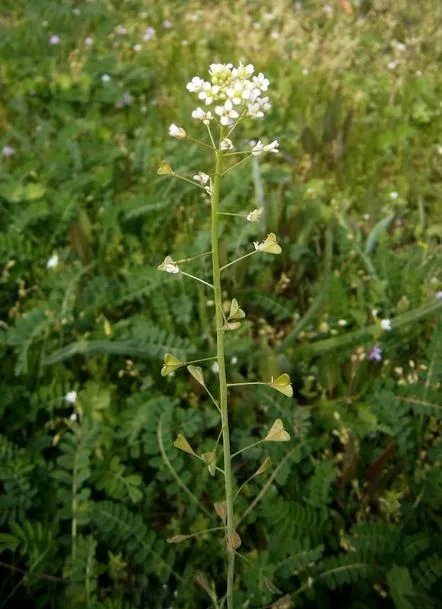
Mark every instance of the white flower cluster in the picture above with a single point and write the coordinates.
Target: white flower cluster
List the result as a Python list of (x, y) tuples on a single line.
[(233, 91)]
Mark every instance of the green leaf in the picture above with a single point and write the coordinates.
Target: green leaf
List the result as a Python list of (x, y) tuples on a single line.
[(401, 587), (375, 234), (197, 373)]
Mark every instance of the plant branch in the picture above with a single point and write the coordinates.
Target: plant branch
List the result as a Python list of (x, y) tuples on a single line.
[(236, 164), (238, 452), (197, 279), (237, 260)]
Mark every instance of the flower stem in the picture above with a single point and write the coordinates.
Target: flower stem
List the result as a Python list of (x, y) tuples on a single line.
[(222, 378), (247, 448), (189, 181), (192, 139), (182, 260), (197, 279), (237, 260), (246, 158)]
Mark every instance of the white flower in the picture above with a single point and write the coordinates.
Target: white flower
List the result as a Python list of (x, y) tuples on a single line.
[(386, 324), (215, 368), (272, 147), (261, 82), (257, 108), (255, 215), (208, 93), (239, 91), (52, 263), (201, 177), (226, 113), (73, 416), (149, 33), (54, 39), (439, 150), (226, 144), (195, 85), (305, 72), (392, 65), (105, 78), (167, 24), (342, 322), (259, 148), (121, 30), (230, 86), (89, 41), (177, 132), (10, 151), (137, 48), (71, 397), (394, 195), (234, 360), (200, 115)]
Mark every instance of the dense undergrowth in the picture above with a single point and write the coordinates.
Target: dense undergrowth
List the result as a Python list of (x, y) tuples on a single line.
[(91, 485)]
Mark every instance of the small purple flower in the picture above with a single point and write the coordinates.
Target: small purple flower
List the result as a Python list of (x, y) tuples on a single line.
[(375, 354), (8, 151), (126, 100), (439, 295), (149, 33), (54, 39)]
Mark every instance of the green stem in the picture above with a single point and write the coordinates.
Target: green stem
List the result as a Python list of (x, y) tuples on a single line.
[(211, 137), (238, 452), (196, 279), (236, 164), (176, 175), (237, 152), (248, 383), (203, 359), (237, 260), (182, 260), (192, 139), (191, 535), (222, 378)]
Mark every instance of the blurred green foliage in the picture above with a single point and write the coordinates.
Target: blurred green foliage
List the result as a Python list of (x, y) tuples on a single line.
[(349, 515)]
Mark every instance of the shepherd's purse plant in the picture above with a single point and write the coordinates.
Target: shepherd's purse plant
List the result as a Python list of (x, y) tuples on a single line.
[(230, 96)]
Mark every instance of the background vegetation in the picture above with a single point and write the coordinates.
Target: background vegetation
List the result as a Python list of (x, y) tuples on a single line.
[(349, 515)]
